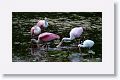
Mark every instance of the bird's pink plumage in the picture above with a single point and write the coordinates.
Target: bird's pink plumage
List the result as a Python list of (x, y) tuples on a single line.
[(77, 31), (41, 23), (48, 36)]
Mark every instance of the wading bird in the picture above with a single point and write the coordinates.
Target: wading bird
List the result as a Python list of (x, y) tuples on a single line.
[(35, 30), (74, 33), (87, 44), (39, 27), (45, 37), (43, 23)]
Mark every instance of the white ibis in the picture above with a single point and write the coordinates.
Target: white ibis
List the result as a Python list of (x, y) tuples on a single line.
[(87, 44), (43, 23), (74, 33)]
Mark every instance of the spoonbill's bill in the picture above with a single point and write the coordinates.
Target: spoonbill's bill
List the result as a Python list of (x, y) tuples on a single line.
[(35, 30), (87, 44), (74, 33), (43, 23), (45, 37)]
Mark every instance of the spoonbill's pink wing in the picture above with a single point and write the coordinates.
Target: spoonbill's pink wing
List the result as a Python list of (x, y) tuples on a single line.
[(48, 36), (41, 23)]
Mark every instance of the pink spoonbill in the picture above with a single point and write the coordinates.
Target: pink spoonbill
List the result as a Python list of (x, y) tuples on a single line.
[(43, 23), (35, 30), (74, 33), (45, 37)]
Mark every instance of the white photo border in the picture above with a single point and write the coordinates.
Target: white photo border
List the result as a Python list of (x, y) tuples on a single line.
[(104, 67)]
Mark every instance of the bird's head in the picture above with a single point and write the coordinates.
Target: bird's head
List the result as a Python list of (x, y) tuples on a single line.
[(46, 19), (37, 30), (79, 45), (46, 22)]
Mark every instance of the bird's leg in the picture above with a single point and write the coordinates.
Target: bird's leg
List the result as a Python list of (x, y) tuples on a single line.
[(92, 53), (43, 46), (38, 46), (32, 49), (92, 57), (89, 57), (81, 53), (89, 54), (59, 44), (46, 47)]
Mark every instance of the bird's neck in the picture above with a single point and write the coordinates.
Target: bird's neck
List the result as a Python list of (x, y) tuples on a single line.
[(38, 41), (35, 41), (46, 22), (66, 39)]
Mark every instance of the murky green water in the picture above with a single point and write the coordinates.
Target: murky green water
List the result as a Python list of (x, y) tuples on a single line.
[(61, 24)]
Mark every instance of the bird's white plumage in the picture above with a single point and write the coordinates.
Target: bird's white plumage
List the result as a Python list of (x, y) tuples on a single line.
[(87, 44), (37, 30)]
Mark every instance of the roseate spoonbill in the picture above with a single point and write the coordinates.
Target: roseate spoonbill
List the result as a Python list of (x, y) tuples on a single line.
[(35, 30), (43, 23), (74, 33), (45, 37), (87, 44)]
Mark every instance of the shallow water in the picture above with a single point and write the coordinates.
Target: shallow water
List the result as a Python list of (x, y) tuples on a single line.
[(61, 24)]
